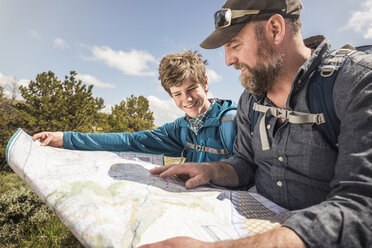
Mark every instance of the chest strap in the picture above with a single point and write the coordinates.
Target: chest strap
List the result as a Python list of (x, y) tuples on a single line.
[(293, 117), (206, 149), (227, 118)]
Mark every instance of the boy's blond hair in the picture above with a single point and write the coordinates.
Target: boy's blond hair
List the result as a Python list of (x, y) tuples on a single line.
[(174, 69)]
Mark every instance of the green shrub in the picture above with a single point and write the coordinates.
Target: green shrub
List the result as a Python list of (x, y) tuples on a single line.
[(25, 221), (9, 181)]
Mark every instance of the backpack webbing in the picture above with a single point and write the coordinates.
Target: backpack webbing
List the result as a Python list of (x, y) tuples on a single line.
[(225, 129), (320, 95)]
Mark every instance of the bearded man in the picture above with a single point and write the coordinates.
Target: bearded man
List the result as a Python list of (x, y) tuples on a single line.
[(290, 162)]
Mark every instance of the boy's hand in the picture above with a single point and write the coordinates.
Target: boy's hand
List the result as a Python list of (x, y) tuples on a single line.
[(54, 139)]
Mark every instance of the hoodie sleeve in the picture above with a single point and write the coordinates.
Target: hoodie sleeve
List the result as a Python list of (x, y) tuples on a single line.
[(163, 140)]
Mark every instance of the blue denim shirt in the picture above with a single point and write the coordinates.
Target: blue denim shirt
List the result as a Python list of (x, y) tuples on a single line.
[(332, 190)]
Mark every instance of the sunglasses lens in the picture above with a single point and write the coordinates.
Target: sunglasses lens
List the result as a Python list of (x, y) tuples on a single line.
[(222, 18)]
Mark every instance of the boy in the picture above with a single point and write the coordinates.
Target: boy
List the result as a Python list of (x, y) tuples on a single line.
[(206, 132)]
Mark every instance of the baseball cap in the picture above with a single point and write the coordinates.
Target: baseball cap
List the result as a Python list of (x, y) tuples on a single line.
[(227, 26)]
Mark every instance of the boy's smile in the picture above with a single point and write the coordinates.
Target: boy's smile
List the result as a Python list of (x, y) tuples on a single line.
[(191, 97)]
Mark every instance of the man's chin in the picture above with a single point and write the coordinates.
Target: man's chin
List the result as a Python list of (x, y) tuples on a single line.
[(244, 81), (250, 89)]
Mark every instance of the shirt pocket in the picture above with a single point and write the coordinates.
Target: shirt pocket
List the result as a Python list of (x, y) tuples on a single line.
[(309, 153)]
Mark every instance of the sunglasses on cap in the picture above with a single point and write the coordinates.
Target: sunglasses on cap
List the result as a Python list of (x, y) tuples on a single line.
[(223, 17)]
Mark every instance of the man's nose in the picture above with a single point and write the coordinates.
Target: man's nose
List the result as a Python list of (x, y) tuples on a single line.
[(229, 58)]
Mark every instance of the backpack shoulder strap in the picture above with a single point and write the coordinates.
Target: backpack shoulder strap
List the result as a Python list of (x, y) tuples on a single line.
[(252, 114), (321, 90), (320, 99), (183, 135), (367, 49), (227, 129)]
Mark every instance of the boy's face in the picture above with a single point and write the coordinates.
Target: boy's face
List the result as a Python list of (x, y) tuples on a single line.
[(191, 97)]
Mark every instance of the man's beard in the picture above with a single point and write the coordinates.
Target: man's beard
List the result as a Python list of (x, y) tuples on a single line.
[(264, 74)]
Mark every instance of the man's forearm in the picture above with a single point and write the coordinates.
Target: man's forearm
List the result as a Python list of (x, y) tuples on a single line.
[(278, 238), (224, 174)]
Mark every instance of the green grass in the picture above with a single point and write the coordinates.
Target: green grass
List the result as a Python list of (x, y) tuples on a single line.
[(9, 181), (25, 221)]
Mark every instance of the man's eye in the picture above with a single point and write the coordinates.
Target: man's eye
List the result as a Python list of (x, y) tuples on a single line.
[(235, 46)]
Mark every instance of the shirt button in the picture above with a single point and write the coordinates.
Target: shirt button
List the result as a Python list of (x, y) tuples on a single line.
[(268, 126), (281, 159), (279, 183)]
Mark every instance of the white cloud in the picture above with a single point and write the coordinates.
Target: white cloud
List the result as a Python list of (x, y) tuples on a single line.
[(164, 110), (361, 21), (107, 109), (34, 34), (23, 82), (130, 63), (60, 43), (3, 80), (92, 80), (10, 85), (213, 76)]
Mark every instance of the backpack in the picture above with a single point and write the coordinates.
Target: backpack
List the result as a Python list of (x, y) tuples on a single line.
[(320, 97), (226, 127)]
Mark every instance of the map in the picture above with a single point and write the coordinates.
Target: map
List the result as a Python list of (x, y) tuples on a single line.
[(110, 199)]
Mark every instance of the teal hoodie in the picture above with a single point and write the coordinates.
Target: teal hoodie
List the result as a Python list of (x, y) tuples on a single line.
[(167, 139)]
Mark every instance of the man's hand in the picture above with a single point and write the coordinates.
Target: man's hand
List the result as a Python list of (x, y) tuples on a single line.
[(181, 242), (198, 173), (281, 237), (218, 173), (54, 139)]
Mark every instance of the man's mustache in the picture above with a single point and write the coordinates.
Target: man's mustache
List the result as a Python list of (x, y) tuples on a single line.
[(240, 66)]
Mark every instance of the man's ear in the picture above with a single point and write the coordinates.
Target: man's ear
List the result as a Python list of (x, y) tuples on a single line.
[(275, 28)]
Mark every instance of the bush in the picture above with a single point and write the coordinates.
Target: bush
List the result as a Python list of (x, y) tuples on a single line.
[(26, 221), (9, 181), (7, 119)]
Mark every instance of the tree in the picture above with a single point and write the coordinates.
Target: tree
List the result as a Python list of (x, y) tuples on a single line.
[(1, 94), (2, 126), (131, 116), (54, 105), (8, 115), (13, 88)]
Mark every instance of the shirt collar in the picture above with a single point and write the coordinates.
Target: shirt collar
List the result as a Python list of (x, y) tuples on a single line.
[(197, 122), (202, 116)]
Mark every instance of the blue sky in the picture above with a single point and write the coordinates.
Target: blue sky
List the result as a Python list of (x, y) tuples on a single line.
[(116, 45)]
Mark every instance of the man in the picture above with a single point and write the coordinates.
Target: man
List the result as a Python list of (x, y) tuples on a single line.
[(183, 76), (292, 164)]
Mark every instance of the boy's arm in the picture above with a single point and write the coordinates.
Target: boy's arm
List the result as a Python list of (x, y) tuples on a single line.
[(163, 140)]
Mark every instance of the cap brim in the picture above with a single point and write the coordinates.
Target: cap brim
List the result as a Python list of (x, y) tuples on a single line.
[(221, 36)]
